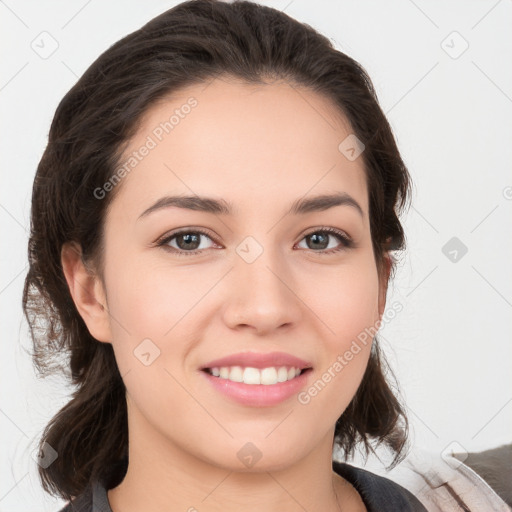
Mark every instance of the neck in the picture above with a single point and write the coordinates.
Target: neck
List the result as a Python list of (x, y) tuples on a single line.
[(163, 476)]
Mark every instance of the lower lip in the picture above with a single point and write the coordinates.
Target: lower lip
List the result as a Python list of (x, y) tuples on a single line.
[(259, 395)]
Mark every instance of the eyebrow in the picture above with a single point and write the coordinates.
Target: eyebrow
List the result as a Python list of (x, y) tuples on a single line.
[(221, 207)]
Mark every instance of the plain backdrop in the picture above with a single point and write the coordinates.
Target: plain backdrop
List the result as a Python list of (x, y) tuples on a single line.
[(443, 77)]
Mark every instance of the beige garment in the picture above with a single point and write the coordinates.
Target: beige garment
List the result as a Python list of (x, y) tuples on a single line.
[(444, 484)]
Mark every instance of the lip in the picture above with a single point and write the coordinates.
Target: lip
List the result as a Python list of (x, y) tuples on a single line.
[(258, 360), (259, 395)]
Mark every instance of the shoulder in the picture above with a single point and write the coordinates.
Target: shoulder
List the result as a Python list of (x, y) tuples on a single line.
[(82, 503), (443, 481), (378, 492), (94, 499)]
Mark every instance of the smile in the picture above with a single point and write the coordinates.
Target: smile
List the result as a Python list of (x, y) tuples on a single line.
[(248, 375)]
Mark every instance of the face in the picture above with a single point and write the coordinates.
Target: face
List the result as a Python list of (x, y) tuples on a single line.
[(263, 278)]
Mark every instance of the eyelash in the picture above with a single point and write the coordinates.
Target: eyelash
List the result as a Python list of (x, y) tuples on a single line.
[(346, 241)]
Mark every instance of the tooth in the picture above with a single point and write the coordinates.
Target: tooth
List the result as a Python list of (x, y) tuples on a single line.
[(251, 375), (236, 374), (282, 374), (268, 376)]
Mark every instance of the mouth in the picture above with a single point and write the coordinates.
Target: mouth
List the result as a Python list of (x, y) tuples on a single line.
[(267, 386), (256, 376)]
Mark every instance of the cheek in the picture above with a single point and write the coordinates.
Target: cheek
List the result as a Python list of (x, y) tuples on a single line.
[(149, 299), (350, 315), (348, 311), (345, 301)]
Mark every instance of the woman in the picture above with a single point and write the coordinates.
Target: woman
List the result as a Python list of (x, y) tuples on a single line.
[(213, 222)]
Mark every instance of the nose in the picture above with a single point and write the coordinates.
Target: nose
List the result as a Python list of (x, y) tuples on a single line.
[(261, 292)]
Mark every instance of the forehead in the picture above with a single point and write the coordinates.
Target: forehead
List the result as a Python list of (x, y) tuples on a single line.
[(251, 144)]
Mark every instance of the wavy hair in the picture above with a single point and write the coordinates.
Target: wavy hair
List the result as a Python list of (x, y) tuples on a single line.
[(191, 43)]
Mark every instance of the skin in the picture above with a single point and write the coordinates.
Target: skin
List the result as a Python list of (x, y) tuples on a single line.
[(260, 148)]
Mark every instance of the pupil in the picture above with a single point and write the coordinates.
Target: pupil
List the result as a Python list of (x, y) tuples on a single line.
[(188, 239), (316, 236)]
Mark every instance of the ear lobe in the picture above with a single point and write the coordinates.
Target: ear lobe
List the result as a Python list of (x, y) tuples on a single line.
[(87, 292)]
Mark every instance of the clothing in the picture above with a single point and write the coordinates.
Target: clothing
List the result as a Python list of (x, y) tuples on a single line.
[(379, 494), (443, 483)]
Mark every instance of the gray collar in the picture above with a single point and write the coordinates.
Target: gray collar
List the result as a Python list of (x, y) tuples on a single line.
[(99, 498)]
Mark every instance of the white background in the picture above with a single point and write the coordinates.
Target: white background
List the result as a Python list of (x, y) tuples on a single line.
[(450, 347)]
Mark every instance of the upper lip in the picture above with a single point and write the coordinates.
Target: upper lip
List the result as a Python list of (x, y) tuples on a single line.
[(258, 360)]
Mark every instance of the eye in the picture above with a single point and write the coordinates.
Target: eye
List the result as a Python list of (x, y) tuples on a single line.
[(188, 242), (319, 239)]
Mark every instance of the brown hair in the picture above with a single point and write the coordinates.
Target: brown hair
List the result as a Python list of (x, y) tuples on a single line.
[(191, 43)]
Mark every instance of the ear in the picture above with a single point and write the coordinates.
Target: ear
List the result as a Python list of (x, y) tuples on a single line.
[(383, 283), (87, 292)]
